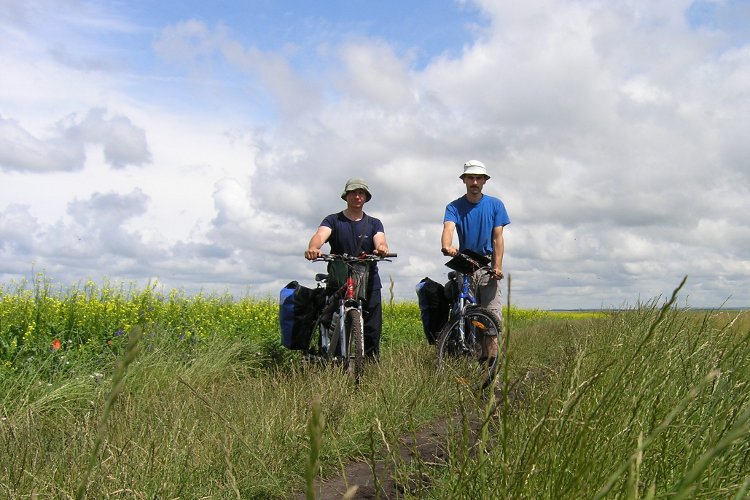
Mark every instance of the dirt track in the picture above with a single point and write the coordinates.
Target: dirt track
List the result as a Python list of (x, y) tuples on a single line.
[(426, 448)]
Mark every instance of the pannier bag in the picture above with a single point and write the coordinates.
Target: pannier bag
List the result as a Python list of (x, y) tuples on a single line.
[(433, 307), (298, 308), (452, 287)]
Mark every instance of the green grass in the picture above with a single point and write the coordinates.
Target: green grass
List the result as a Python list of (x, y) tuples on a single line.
[(651, 401)]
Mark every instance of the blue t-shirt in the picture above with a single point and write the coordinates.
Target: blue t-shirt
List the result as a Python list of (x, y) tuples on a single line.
[(354, 237), (475, 222)]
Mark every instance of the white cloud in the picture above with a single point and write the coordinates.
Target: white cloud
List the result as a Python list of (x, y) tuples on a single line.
[(613, 132), (21, 151), (123, 143), (389, 86)]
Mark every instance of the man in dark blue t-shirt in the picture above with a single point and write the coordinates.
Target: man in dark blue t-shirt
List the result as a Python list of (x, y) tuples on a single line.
[(353, 232), (479, 220)]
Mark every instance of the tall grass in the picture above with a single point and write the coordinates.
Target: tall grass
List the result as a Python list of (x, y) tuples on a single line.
[(651, 402), (648, 401), (211, 427)]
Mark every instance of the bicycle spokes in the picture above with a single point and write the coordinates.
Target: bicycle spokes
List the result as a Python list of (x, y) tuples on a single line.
[(467, 347)]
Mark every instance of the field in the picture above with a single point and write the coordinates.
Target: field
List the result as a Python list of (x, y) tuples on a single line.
[(109, 391)]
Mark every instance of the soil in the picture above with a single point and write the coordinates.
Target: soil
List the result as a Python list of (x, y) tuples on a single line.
[(427, 447), (358, 478)]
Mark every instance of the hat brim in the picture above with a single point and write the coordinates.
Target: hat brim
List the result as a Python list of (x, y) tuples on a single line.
[(368, 198)]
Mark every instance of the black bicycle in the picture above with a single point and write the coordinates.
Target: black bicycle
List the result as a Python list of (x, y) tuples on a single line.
[(338, 331), (470, 345)]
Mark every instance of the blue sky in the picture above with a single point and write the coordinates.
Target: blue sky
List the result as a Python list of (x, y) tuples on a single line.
[(200, 144)]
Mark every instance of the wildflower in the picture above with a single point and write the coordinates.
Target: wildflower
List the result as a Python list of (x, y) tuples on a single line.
[(119, 332), (56, 345)]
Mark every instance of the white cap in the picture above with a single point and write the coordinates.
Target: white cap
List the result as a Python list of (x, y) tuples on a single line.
[(474, 167)]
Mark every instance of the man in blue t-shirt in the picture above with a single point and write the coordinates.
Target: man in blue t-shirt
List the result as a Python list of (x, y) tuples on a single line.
[(353, 232), (479, 220)]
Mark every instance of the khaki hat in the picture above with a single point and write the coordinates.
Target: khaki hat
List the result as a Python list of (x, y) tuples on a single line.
[(354, 184), (474, 167)]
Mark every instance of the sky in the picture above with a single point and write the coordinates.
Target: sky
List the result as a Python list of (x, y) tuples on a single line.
[(197, 145)]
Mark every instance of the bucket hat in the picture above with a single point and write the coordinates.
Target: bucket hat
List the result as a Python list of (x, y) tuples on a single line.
[(474, 167), (353, 184)]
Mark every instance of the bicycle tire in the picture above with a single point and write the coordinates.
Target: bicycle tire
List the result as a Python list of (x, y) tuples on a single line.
[(465, 360), (356, 341)]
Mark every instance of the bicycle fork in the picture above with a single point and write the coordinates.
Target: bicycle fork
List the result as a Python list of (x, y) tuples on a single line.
[(463, 335), (466, 338)]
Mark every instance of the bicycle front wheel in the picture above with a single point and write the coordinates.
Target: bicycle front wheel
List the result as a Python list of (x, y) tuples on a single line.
[(356, 341), (470, 347)]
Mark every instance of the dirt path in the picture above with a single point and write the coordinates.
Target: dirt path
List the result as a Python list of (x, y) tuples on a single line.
[(426, 448)]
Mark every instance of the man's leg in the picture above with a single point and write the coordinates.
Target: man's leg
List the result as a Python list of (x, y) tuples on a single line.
[(488, 296), (373, 320), (488, 291)]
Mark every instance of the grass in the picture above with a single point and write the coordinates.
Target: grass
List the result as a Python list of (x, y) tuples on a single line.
[(651, 401), (211, 427)]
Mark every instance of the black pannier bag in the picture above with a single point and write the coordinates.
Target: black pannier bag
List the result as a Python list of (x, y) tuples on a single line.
[(452, 288), (433, 307), (298, 309)]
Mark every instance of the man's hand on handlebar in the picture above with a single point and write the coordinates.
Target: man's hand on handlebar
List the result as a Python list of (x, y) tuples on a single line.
[(312, 253), (381, 250), (449, 251)]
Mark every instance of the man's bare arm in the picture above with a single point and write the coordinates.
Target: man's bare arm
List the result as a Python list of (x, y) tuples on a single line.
[(381, 245), (498, 250), (317, 241), (446, 240)]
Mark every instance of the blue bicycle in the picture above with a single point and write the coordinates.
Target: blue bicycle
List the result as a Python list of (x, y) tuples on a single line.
[(470, 345)]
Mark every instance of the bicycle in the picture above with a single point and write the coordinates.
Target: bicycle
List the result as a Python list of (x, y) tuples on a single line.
[(469, 327), (338, 331)]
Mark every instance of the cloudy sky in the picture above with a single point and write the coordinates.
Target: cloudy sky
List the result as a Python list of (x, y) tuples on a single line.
[(199, 144)]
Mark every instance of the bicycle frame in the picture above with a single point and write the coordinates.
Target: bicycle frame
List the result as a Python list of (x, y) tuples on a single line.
[(348, 299), (347, 302), (465, 297)]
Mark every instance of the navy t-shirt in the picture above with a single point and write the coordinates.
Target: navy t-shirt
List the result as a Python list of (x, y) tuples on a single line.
[(355, 237)]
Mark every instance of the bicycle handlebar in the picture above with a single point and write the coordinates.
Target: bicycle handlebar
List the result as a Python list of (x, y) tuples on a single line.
[(474, 264), (354, 258), (471, 261)]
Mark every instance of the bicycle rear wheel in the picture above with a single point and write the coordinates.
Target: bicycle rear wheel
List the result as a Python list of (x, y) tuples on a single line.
[(356, 347), (472, 358)]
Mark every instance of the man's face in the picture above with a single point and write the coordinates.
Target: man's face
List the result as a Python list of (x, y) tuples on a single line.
[(356, 198), (474, 183)]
